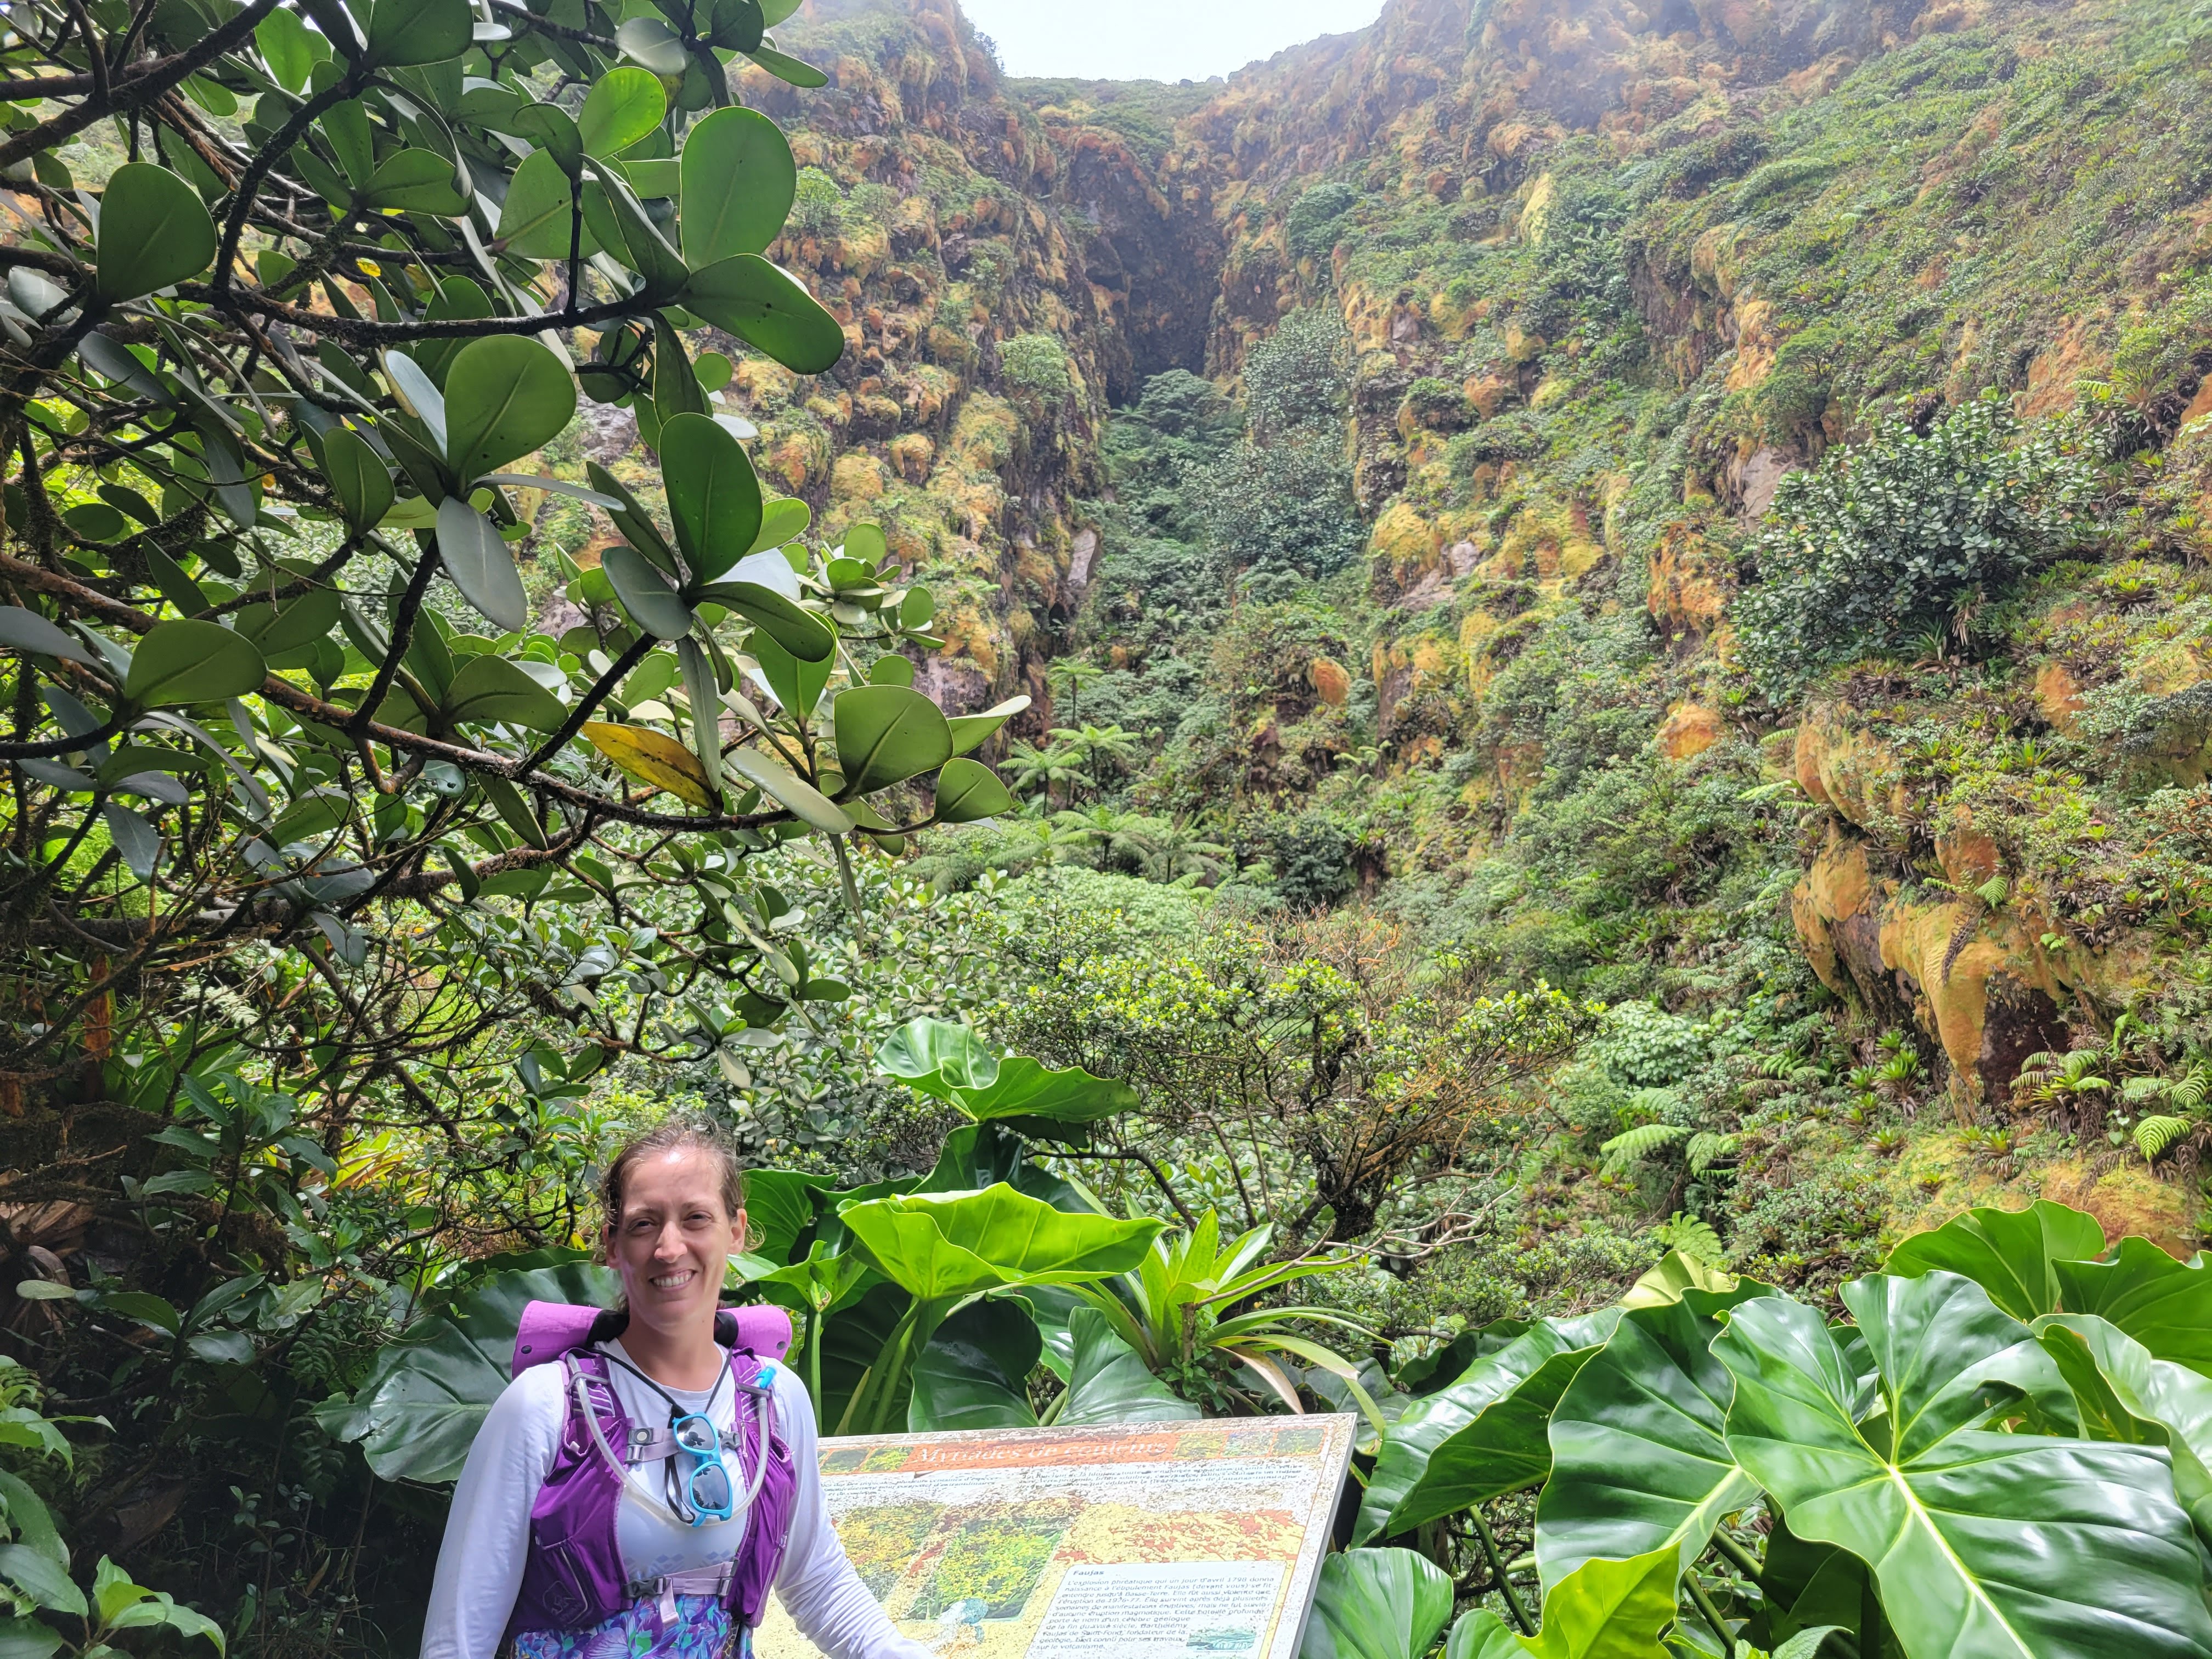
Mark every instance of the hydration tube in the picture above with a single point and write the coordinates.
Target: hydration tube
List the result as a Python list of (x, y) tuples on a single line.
[(764, 1393)]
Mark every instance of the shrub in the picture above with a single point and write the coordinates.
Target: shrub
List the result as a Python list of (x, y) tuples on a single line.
[(1907, 532), (1310, 227), (818, 207), (1297, 378), (1035, 363)]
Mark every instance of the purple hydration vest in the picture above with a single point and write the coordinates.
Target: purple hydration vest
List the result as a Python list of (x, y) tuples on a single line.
[(574, 1578)]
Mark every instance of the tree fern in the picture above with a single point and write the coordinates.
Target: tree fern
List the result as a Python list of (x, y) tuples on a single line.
[(1707, 1148), (2154, 1134), (1692, 1236), (1642, 1141)]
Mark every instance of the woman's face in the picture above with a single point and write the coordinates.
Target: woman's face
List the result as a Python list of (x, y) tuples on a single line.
[(673, 1241)]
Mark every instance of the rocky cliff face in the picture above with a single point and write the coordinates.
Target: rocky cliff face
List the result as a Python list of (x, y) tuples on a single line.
[(1609, 274)]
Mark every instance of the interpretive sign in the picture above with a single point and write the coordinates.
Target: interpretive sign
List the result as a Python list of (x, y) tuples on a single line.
[(1152, 1541)]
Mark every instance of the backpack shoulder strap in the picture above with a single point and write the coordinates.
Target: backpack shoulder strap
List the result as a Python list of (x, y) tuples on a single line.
[(763, 1330), (551, 1330)]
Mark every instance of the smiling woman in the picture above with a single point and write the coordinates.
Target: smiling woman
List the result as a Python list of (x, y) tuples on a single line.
[(557, 1542), (1156, 40)]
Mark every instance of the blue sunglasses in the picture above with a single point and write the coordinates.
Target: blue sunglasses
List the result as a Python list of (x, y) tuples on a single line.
[(708, 1493)]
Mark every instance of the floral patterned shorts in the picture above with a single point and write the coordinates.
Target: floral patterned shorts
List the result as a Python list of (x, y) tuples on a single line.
[(702, 1629)]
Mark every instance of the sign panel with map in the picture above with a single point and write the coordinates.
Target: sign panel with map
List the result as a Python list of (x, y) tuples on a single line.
[(1151, 1540)]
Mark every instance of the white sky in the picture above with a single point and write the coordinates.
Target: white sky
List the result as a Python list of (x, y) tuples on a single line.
[(1155, 40)]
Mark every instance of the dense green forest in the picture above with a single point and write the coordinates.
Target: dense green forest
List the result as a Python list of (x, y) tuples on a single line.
[(1503, 727)]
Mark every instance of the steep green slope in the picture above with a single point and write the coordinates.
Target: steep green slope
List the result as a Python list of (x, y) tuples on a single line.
[(1517, 322)]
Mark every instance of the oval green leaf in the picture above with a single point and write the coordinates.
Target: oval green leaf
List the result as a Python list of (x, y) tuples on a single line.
[(766, 306), (504, 395), (739, 181), (967, 790), (481, 564), (627, 103), (404, 32), (183, 662), (357, 478), (886, 734), (644, 593), (1376, 1604), (714, 494), (153, 231), (488, 688)]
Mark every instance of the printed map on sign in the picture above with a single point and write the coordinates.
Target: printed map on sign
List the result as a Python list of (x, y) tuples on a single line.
[(1165, 1541)]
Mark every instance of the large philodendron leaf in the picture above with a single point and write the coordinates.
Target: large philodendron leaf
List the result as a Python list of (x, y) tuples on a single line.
[(2164, 1305), (972, 1373), (951, 1063), (1984, 1544), (426, 1396), (1107, 1383), (2011, 1254), (1483, 1434), (1376, 1604), (942, 1246), (937, 1057), (2127, 1394), (1638, 1457), (1603, 1610)]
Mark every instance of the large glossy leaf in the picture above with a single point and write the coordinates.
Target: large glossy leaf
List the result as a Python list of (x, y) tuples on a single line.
[(179, 662), (1638, 1458), (967, 790), (779, 1204), (938, 1056), (796, 631), (789, 791), (2164, 1305), (973, 730), (298, 622), (887, 735), (739, 180), (1675, 1274), (713, 494), (653, 758), (1604, 1610), (487, 688), (652, 603), (626, 104), (2011, 1254), (538, 218), (1107, 1382), (1983, 1543), (479, 563), (764, 306), (504, 396), (972, 1375), (153, 231), (1025, 1088), (1376, 1604), (403, 33), (1483, 1434), (357, 478), (26, 630), (426, 1396), (946, 1245), (2125, 1392), (418, 180)]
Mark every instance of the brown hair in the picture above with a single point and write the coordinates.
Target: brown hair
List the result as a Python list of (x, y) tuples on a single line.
[(674, 1136)]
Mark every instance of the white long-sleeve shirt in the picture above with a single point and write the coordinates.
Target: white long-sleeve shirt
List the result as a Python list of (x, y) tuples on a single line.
[(487, 1530)]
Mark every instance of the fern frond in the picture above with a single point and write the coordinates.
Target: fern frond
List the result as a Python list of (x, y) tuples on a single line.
[(1994, 891), (1706, 1149), (2154, 1134), (1693, 1237), (1642, 1141), (2189, 1093), (2136, 1089)]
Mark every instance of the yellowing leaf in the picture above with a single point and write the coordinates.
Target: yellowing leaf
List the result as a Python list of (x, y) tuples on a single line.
[(652, 758)]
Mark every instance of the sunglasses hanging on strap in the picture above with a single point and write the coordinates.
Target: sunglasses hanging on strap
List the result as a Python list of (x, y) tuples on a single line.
[(704, 1492)]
